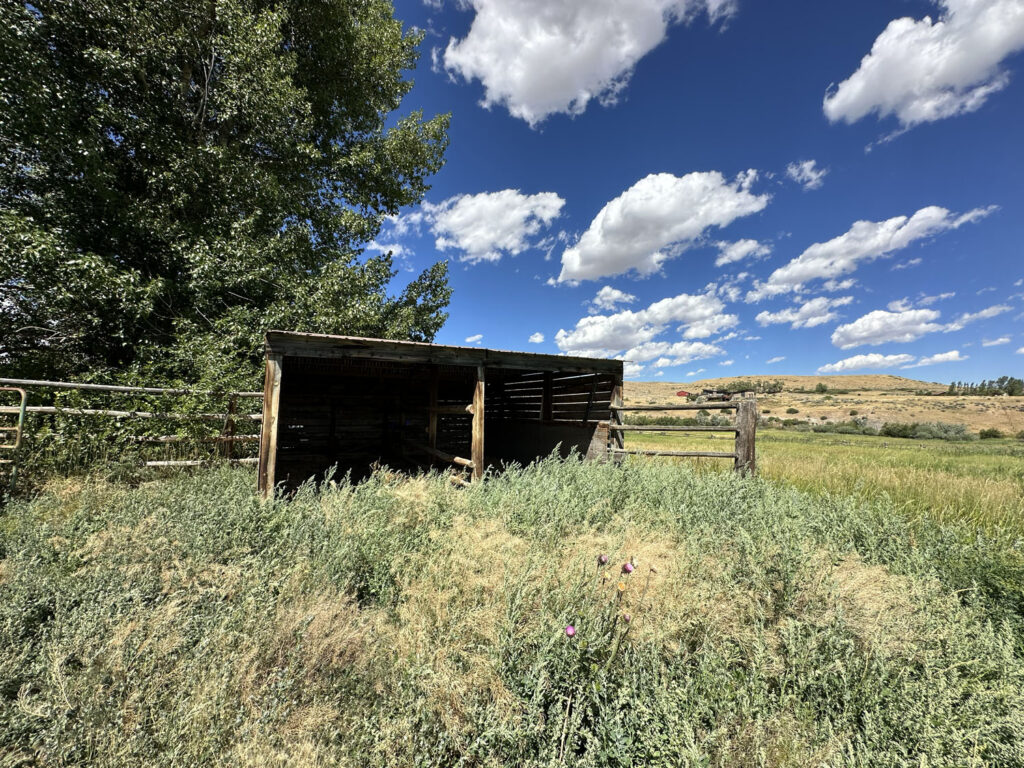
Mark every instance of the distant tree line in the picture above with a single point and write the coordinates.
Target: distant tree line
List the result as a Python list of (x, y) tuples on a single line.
[(760, 386), (1004, 385)]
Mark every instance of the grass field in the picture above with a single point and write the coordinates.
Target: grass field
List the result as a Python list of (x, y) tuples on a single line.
[(409, 623), (981, 482), (876, 398)]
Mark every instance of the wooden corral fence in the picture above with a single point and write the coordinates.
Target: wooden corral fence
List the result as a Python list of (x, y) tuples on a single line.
[(744, 427), (227, 439)]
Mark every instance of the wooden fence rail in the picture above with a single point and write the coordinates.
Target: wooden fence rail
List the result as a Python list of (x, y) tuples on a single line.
[(743, 455)]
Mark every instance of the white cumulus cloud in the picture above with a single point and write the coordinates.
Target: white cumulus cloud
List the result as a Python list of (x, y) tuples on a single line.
[(632, 334), (657, 218), (608, 297), (879, 327), (810, 314), (729, 253), (631, 370), (995, 342), (929, 69), (476, 338), (953, 356), (864, 241), (537, 338), (860, 362), (488, 225), (773, 360), (541, 57), (1020, 351), (807, 174), (984, 314)]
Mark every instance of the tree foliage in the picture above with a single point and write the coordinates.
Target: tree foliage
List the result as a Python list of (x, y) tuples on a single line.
[(1004, 385), (178, 177)]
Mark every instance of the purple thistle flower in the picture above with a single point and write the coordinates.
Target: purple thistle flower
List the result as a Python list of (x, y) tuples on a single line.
[(627, 567), (627, 618), (570, 631), (602, 559)]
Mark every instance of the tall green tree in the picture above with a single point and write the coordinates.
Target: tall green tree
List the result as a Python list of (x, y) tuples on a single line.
[(177, 176)]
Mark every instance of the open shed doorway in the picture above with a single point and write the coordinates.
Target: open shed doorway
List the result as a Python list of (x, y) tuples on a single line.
[(352, 404)]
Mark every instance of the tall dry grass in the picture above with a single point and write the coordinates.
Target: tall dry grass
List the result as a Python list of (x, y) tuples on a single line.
[(408, 623), (980, 483)]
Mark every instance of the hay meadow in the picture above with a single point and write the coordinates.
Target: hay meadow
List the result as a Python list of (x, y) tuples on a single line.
[(406, 622)]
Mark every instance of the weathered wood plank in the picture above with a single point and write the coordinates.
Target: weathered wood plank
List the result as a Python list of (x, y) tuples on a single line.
[(746, 423), (692, 454), (432, 423), (652, 428), (321, 345), (686, 407), (271, 416), (478, 425), (451, 458), (616, 443)]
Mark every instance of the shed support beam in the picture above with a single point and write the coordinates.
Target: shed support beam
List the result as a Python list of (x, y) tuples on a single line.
[(432, 423), (616, 442), (478, 425), (545, 400), (268, 435)]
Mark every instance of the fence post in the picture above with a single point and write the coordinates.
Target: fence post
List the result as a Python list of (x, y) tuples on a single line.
[(478, 426), (229, 429), (616, 438), (746, 425), (268, 433)]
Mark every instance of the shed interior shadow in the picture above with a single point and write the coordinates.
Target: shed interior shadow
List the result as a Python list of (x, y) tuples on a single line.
[(358, 413)]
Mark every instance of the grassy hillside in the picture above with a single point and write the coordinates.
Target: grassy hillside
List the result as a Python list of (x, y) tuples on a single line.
[(875, 382), (406, 623), (879, 399)]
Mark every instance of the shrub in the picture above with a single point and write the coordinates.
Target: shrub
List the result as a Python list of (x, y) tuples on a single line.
[(1020, 435), (897, 429), (792, 410), (821, 387), (990, 434), (853, 412)]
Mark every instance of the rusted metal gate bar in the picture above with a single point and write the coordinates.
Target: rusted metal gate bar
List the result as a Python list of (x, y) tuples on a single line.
[(12, 446), (228, 436), (119, 388)]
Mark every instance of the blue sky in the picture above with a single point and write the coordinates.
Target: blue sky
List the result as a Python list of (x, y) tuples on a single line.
[(729, 187)]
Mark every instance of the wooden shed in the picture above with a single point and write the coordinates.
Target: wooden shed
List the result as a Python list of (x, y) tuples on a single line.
[(354, 402)]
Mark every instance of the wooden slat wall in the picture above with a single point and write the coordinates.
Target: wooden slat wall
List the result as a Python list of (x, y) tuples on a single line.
[(574, 397), (354, 412)]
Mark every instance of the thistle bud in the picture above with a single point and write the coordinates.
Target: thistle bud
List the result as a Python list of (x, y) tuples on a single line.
[(570, 631), (627, 567)]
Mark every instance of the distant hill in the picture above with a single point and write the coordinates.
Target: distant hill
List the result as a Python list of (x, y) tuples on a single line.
[(874, 382)]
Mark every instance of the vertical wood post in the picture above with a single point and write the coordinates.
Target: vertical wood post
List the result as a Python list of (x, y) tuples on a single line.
[(268, 432), (227, 450), (616, 437), (545, 400), (746, 424), (478, 425), (432, 419)]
